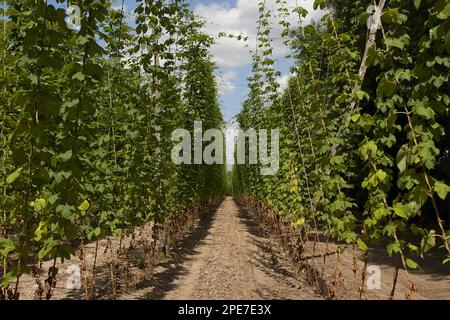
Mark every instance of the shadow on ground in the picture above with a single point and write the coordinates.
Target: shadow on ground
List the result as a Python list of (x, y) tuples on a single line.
[(163, 282)]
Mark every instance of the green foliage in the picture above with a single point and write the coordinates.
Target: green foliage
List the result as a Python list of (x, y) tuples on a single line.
[(366, 152), (83, 113)]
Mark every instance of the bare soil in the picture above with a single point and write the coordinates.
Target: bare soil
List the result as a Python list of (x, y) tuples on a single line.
[(227, 255), (339, 269)]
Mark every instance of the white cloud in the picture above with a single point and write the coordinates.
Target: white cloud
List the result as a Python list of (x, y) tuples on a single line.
[(118, 6), (225, 82), (241, 19), (283, 81)]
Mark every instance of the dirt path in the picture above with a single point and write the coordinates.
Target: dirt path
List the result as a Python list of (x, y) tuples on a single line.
[(226, 257)]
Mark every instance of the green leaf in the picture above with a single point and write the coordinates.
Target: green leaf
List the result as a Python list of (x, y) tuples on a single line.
[(48, 247), (428, 241), (362, 245), (299, 223), (66, 211), (71, 103), (398, 42), (355, 117), (419, 195), (417, 4), (427, 151), (52, 199), (7, 278), (441, 189), (386, 88), (425, 112), (381, 175), (39, 204), (84, 206), (360, 94), (40, 230), (412, 247), (301, 11), (349, 236), (393, 248), (380, 212), (370, 148), (78, 76), (411, 264), (389, 229), (82, 40), (66, 156), (13, 176), (443, 15), (7, 246), (403, 158), (373, 57), (319, 4), (400, 211), (393, 15)]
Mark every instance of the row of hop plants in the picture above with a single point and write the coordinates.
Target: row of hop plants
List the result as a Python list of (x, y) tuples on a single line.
[(86, 116), (364, 121)]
